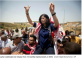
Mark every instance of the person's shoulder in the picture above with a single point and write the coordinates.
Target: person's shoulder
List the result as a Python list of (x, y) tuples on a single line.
[(21, 42), (9, 44), (9, 40), (78, 38)]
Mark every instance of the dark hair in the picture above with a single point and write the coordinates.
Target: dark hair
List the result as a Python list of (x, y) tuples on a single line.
[(34, 37), (72, 48), (47, 22), (16, 30), (2, 32), (67, 32), (64, 39), (61, 42)]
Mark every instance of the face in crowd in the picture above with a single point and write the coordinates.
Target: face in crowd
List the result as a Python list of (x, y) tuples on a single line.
[(60, 47)]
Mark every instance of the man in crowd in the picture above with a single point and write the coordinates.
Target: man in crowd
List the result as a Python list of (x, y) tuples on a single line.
[(16, 44), (25, 36), (5, 40), (29, 48), (71, 48), (75, 39), (16, 30), (60, 46), (1, 33)]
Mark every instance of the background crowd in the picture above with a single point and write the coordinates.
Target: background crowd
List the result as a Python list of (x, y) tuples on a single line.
[(13, 42)]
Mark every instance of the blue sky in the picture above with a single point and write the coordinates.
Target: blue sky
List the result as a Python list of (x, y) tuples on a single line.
[(13, 10)]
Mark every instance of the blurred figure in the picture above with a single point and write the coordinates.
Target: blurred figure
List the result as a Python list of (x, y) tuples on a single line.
[(25, 36), (55, 46), (5, 40), (75, 38), (7, 32), (71, 48), (22, 28), (67, 38), (1, 33), (29, 48), (27, 32), (67, 33), (11, 34), (26, 29), (70, 32), (60, 46), (5, 50), (16, 30), (16, 44)]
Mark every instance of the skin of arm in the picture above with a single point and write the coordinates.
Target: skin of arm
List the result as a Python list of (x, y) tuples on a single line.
[(27, 15), (51, 7)]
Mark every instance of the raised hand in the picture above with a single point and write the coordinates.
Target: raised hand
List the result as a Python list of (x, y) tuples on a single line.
[(27, 9), (51, 7)]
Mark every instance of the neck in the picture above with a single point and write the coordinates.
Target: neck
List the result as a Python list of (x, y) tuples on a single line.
[(15, 43)]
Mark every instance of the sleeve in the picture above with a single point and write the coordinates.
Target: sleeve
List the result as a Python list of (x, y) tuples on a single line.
[(22, 44), (34, 24), (7, 45), (53, 28)]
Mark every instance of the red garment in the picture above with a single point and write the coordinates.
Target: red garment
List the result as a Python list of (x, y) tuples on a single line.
[(32, 49), (52, 34), (8, 33)]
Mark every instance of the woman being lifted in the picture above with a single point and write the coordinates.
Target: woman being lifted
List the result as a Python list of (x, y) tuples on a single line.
[(44, 40)]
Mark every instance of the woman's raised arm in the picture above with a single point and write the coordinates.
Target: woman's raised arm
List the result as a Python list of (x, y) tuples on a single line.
[(51, 7), (27, 15)]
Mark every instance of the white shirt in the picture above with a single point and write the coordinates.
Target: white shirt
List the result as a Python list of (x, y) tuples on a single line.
[(0, 43), (3, 43), (5, 32)]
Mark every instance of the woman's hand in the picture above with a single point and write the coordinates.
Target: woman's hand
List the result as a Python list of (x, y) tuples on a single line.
[(27, 9), (51, 7)]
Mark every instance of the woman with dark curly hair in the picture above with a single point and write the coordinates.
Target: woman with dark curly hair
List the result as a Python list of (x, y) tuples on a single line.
[(44, 32)]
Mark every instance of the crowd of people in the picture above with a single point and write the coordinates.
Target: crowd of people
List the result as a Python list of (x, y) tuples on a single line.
[(27, 42), (45, 38)]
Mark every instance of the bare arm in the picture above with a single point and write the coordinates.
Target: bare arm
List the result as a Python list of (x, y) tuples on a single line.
[(27, 15), (51, 7)]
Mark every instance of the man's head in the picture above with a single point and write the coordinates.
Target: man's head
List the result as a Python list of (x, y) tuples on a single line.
[(60, 46), (5, 50), (32, 40), (3, 37), (72, 48), (72, 35), (23, 32), (17, 37), (30, 34), (1, 32)]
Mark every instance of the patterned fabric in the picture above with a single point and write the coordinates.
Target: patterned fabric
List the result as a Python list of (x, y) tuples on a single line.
[(57, 32), (32, 48)]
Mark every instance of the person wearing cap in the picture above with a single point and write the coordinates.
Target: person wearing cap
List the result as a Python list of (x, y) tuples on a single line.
[(16, 44), (4, 40), (75, 38)]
